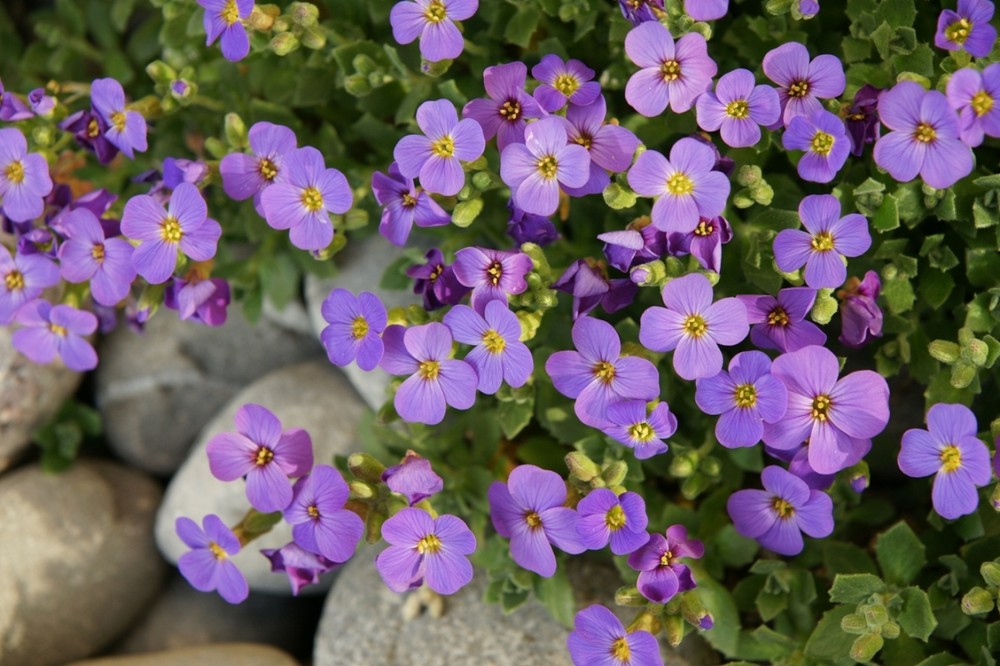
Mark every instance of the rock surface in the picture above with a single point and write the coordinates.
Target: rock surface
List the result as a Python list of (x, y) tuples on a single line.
[(313, 396), (30, 395), (233, 654), (159, 388), (77, 560)]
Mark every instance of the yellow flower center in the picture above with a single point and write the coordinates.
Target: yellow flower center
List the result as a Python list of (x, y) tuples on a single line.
[(409, 201), (494, 273), (822, 242), (745, 396), (641, 432), (14, 281), (312, 199), (778, 317), (959, 31), (548, 166), (695, 326), (615, 518), (58, 330), (783, 508), (584, 140), (217, 551), (359, 327), (429, 544), (230, 13), (798, 89), (264, 456), (170, 230), (15, 172), (951, 458), (510, 110), (567, 84), (429, 370), (670, 70), (621, 651), (267, 169), (680, 184), (436, 12), (97, 252), (982, 103), (821, 408), (822, 143), (666, 558), (436, 273), (924, 133), (93, 128), (313, 511), (444, 147), (704, 228), (604, 371), (118, 120), (738, 109), (494, 342), (533, 519)]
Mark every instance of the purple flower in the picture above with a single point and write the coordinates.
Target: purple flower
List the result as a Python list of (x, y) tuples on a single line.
[(861, 118), (535, 169), (262, 453), (629, 424), (428, 549), (126, 130), (11, 107), (686, 186), (802, 83), (975, 96), (860, 315), (41, 104), (529, 511), (435, 380), (607, 518), (809, 8), (925, 139), (950, 450), (639, 11), (25, 277), (49, 331), (529, 228), (302, 200), (837, 416), (968, 29), (245, 176), (611, 146), (492, 274), (661, 575), (24, 178), (437, 157), (207, 566), (177, 171), (224, 18), (89, 130), (694, 326), (87, 255), (499, 355), (319, 521), (413, 478), (634, 245), (600, 639), (504, 114), (355, 326), (798, 464), (198, 298), (706, 10), (777, 515), (183, 227), (746, 397), (704, 243), (670, 75), (564, 82), (588, 282), (404, 205), (433, 21), (738, 108), (830, 238), (437, 282), (824, 138), (780, 322), (596, 375), (302, 567)]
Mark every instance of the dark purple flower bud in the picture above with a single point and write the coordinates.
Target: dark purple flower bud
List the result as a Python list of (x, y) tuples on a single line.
[(413, 478), (529, 228), (437, 282), (302, 567), (88, 129), (41, 104), (861, 118), (639, 11), (588, 282), (860, 315), (38, 241), (639, 243)]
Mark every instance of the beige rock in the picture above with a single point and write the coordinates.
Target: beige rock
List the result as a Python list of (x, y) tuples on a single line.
[(221, 654)]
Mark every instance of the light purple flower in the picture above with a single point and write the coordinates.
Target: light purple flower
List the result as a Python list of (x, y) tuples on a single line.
[(198, 298), (177, 171), (803, 82), (597, 375), (264, 454), (704, 243), (925, 137), (224, 18), (87, 255), (504, 114), (493, 275), (694, 326), (355, 325), (860, 315), (499, 355), (428, 549), (49, 331), (433, 21), (25, 277), (437, 156), (824, 139), (437, 282), (588, 282), (404, 205), (11, 107), (778, 515), (207, 566), (319, 521), (745, 397), (837, 416), (830, 238), (600, 639), (564, 82), (967, 29), (686, 187), (126, 130), (413, 478), (661, 573), (611, 146), (706, 10), (302, 567), (738, 108), (607, 518), (435, 380), (304, 198), (808, 8), (529, 511), (950, 450), (245, 176), (24, 178), (41, 104), (780, 322), (975, 96), (535, 169), (671, 75), (629, 424)]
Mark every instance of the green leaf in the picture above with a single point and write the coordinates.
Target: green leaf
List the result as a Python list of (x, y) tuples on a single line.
[(855, 588), (725, 635), (899, 295), (935, 287), (556, 595), (897, 13), (770, 605), (846, 558), (900, 554), (514, 416), (916, 617), (828, 641), (280, 277), (522, 26), (887, 216)]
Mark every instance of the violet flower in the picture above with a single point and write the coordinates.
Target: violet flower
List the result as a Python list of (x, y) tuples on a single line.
[(564, 83), (633, 245), (24, 178), (404, 205), (245, 176), (224, 19), (746, 397), (737, 108), (126, 130), (671, 75), (198, 298), (433, 22), (437, 282), (11, 107), (969, 29), (861, 118), (505, 112), (779, 322), (88, 128), (610, 146), (599, 639), (803, 82), (704, 243), (534, 170), (608, 518), (860, 315), (41, 104), (355, 325), (975, 96), (177, 171), (499, 355), (661, 573), (319, 521), (629, 424), (706, 10), (640, 11), (48, 331), (207, 566), (493, 275), (824, 139), (25, 277), (588, 282), (87, 254), (437, 156), (302, 567), (421, 548), (413, 478), (530, 228)]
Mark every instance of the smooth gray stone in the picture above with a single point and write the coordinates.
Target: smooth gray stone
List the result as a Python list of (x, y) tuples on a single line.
[(77, 560), (223, 654)]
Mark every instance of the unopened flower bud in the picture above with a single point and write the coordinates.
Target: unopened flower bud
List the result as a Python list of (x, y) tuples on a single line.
[(614, 474), (977, 352), (673, 628), (875, 615), (314, 38), (650, 274), (854, 623), (481, 180), (995, 497), (762, 193), (261, 19), (977, 601), (284, 43), (304, 14), (160, 72), (695, 612), (361, 490), (43, 136), (581, 467), (743, 198), (944, 351), (365, 467), (749, 174), (416, 314), (435, 69), (963, 374), (990, 571), (866, 647), (235, 131), (859, 477), (645, 621), (890, 630), (629, 596)]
